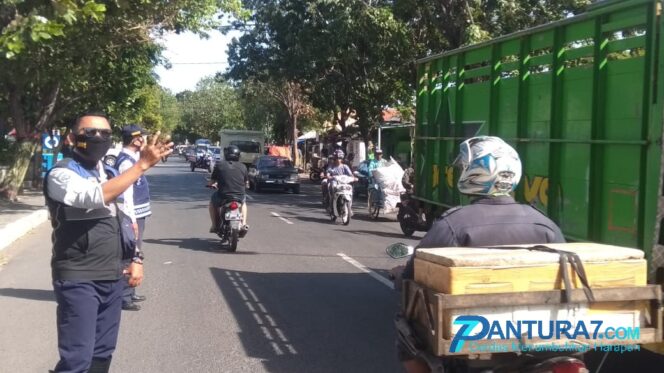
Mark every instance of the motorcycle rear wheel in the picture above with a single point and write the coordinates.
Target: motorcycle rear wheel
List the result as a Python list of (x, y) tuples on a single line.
[(193, 167), (233, 239), (406, 224)]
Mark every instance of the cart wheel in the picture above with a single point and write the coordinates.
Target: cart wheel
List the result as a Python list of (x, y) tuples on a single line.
[(374, 209)]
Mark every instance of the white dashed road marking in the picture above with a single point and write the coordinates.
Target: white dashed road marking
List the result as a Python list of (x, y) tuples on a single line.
[(272, 333), (281, 218), (366, 270)]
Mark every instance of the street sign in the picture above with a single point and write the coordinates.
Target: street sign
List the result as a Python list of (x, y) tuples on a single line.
[(51, 142)]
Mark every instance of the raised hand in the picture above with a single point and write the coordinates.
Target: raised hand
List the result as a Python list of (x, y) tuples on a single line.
[(153, 152)]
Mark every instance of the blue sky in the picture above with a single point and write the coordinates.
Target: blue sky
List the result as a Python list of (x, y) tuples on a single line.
[(193, 58)]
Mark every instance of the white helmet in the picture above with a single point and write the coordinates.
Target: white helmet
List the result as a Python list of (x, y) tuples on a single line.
[(489, 166)]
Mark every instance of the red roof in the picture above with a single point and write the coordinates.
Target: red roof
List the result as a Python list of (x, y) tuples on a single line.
[(391, 115)]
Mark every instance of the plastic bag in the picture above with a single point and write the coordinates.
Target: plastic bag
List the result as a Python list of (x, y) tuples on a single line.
[(389, 178)]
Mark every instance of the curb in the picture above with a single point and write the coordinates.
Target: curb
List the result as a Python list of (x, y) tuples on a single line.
[(17, 229)]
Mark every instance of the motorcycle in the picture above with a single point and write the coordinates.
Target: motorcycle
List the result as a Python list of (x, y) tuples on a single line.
[(230, 223), (202, 161), (525, 362), (410, 219), (341, 203), (314, 174)]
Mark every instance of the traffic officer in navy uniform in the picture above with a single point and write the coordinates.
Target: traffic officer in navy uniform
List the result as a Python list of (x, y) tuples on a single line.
[(134, 202), (86, 262), (490, 172)]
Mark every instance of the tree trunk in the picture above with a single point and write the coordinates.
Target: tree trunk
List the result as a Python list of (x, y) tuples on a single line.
[(294, 135), (11, 185)]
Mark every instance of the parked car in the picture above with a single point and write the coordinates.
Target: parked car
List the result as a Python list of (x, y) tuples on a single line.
[(273, 172)]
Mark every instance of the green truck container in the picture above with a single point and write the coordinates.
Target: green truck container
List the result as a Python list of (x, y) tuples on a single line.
[(581, 101)]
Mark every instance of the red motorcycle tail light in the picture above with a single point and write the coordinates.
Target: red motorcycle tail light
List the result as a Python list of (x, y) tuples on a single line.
[(569, 367), (233, 205)]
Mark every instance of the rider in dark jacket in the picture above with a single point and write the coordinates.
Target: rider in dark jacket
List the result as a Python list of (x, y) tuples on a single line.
[(490, 172), (230, 177)]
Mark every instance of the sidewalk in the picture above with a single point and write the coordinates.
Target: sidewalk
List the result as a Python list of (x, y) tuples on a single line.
[(19, 218)]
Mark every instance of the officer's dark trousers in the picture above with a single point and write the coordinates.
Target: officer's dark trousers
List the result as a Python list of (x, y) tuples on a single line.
[(128, 290), (88, 318)]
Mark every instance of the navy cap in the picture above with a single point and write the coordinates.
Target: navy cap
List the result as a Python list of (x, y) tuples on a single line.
[(132, 130)]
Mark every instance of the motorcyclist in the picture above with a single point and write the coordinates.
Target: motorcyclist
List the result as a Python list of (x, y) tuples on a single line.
[(336, 168), (230, 178), (377, 162), (490, 172)]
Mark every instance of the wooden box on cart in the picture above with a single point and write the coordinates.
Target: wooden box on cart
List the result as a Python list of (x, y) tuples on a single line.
[(526, 282), (466, 270), (431, 314)]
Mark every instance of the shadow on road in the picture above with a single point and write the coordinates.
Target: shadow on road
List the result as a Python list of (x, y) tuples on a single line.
[(363, 215), (312, 322), (310, 219), (193, 243), (31, 294), (397, 236)]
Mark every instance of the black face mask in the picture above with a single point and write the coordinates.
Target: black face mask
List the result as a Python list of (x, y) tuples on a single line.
[(90, 150)]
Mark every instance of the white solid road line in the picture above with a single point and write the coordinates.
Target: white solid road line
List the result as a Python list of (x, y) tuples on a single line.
[(364, 269), (281, 218)]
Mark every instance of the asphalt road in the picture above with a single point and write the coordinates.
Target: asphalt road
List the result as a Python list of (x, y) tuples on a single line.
[(296, 297), (288, 300)]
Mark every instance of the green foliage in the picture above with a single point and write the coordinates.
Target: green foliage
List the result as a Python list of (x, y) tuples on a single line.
[(262, 112), (214, 105), (345, 54), (60, 57), (24, 22), (443, 25)]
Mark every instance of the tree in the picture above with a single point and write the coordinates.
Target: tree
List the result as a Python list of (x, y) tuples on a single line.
[(348, 56), (21, 21), (154, 108), (263, 114), (444, 25), (292, 97), (61, 56), (214, 105)]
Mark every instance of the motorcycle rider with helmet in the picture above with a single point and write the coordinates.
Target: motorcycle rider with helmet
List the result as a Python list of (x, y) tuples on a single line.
[(336, 168), (490, 172), (230, 177)]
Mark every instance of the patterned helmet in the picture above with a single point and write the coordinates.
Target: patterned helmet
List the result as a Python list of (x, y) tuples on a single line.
[(489, 166), (339, 154)]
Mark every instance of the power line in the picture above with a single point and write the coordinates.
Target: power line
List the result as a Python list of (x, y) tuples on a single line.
[(199, 63)]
